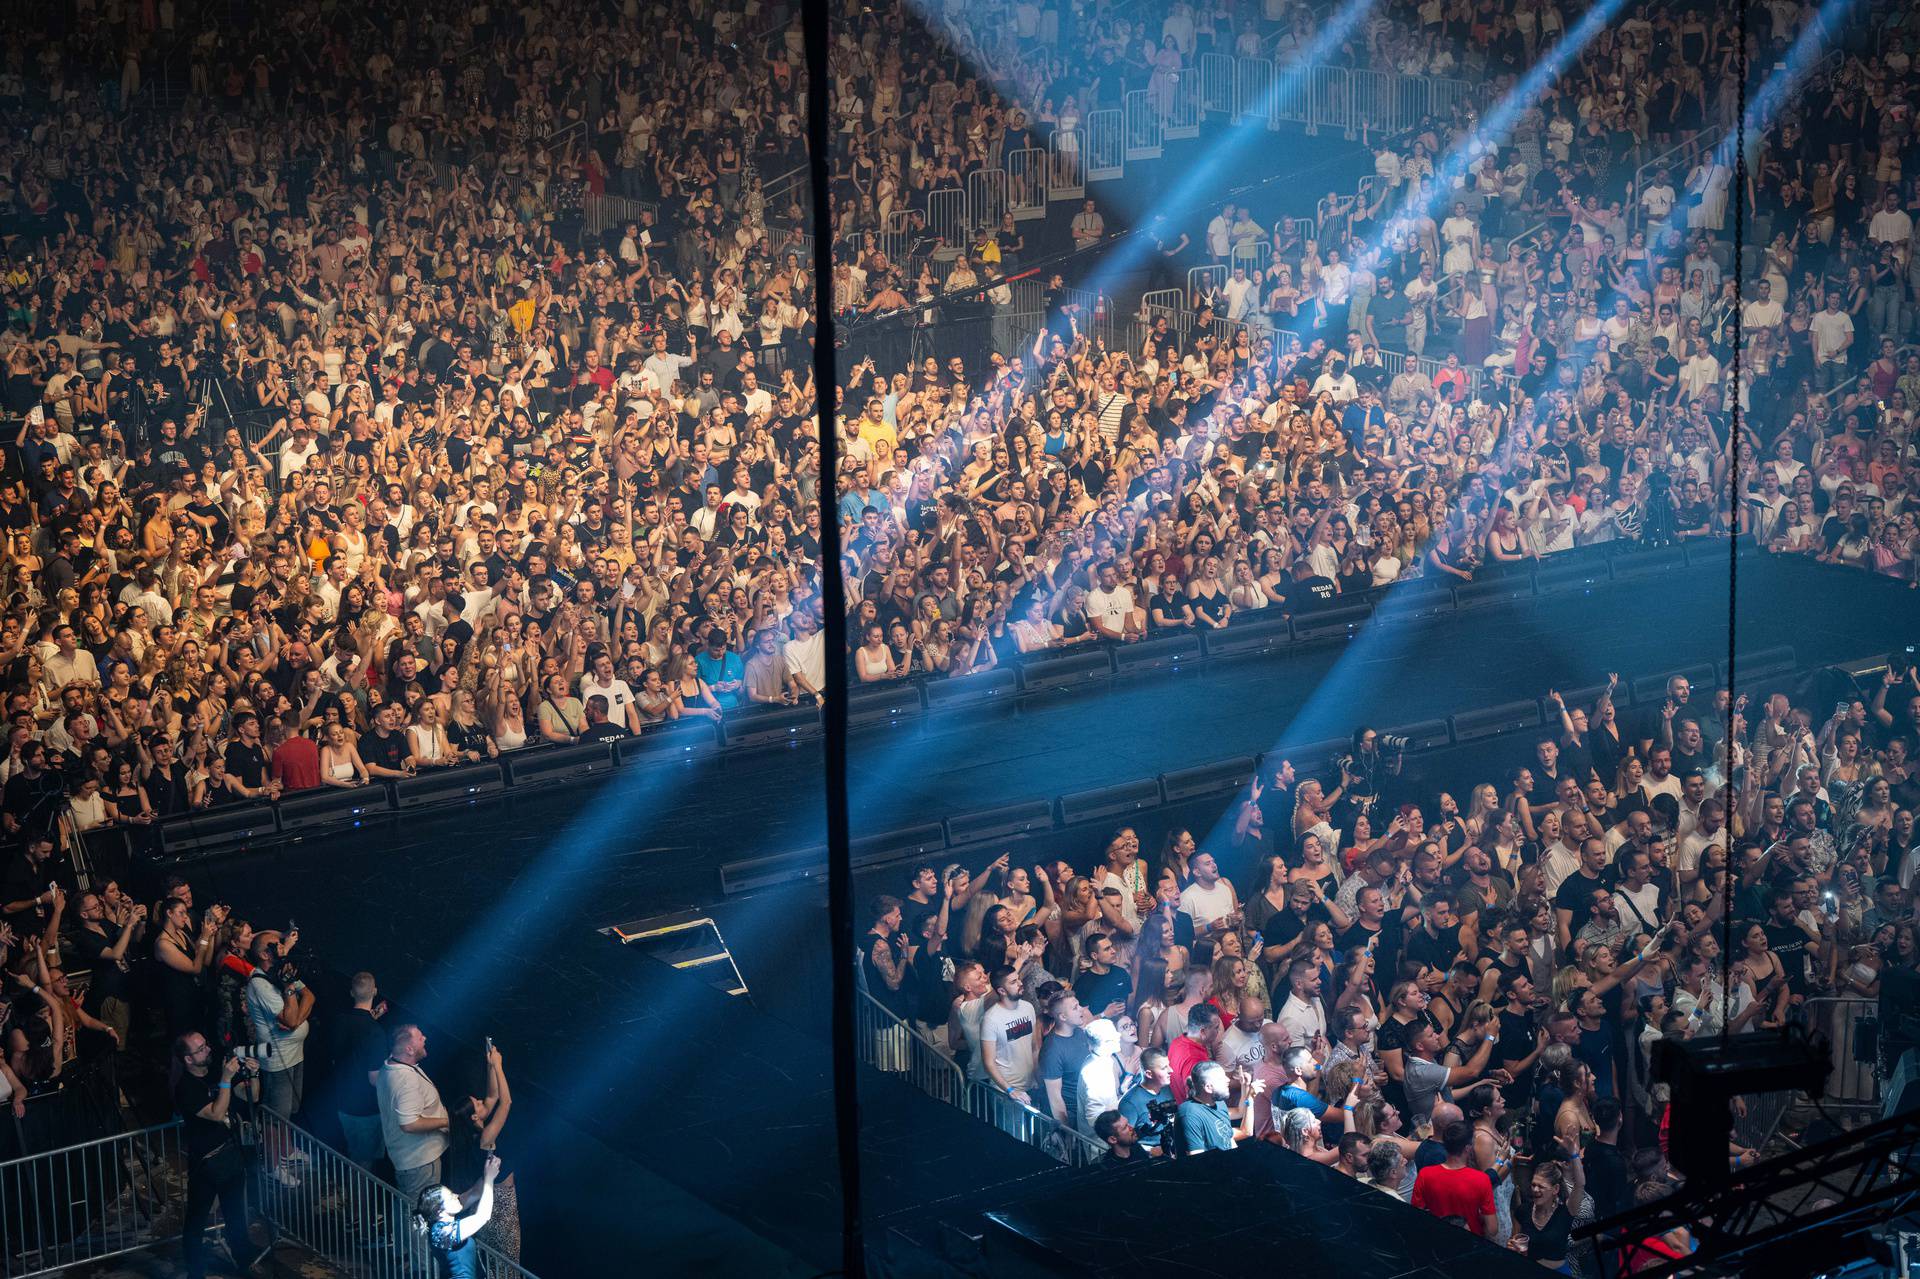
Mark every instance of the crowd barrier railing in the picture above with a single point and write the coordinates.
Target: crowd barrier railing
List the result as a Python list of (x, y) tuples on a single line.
[(1185, 110), (1842, 1019), (1144, 124), (1027, 183), (1066, 159), (891, 1045), (126, 1193), (347, 1216), (87, 1202)]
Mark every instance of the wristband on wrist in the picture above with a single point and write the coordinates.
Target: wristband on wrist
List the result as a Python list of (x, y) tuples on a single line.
[(226, 1083)]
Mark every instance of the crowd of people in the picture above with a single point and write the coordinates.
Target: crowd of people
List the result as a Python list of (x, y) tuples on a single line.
[(1447, 987), (1579, 298), (189, 999), (345, 438)]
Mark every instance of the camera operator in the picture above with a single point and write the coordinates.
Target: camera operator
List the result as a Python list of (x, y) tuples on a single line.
[(1364, 771), (216, 1170), (278, 1008), (1148, 1106)]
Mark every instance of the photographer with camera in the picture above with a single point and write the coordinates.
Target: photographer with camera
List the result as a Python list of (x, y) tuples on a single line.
[(1375, 757), (216, 1169), (279, 1007)]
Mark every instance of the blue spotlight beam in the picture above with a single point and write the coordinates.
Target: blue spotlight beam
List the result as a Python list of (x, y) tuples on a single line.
[(1497, 126), (1191, 188)]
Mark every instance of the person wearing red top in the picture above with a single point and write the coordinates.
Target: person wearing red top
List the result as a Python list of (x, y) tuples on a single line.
[(296, 760), (1202, 1036), (1451, 1189)]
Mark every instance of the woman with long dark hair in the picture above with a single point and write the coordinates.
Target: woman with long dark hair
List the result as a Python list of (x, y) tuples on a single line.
[(473, 1140)]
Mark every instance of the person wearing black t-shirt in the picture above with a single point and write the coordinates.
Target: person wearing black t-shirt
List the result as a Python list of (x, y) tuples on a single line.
[(1788, 940), (215, 1168), (1308, 591)]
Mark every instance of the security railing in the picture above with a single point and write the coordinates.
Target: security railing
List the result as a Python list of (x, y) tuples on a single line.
[(891, 1045), (88, 1202), (1841, 1019), (348, 1217), (127, 1193)]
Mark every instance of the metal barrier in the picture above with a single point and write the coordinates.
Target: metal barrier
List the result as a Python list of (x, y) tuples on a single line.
[(1182, 119), (1839, 1019), (1066, 168), (1372, 96), (947, 217), (1216, 83), (1027, 183), (987, 199), (1328, 96), (1103, 153), (337, 1209), (1023, 1123), (890, 1045), (1252, 89), (1143, 126), (98, 1199), (1203, 284)]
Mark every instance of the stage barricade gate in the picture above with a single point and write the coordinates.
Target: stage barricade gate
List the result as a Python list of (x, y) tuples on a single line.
[(1252, 89), (1103, 144), (987, 198), (1845, 1021), (1067, 171), (1370, 99), (1328, 94), (947, 217), (1184, 112), (1143, 126), (1292, 99), (1027, 183), (1216, 83)]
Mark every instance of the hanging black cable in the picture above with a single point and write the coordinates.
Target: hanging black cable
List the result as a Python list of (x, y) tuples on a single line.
[(833, 604), (1737, 421)]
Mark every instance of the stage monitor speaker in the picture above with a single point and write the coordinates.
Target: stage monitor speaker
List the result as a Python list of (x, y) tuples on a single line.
[(332, 807), (1641, 564), (1250, 639), (1066, 668), (1107, 802), (994, 688), (215, 830), (1510, 717), (1000, 823), (1331, 623), (1509, 588), (774, 726), (887, 702), (1222, 778), (1168, 654), (450, 786), (1427, 735), (545, 765)]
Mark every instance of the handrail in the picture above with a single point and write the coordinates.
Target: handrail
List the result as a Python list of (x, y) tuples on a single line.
[(127, 1193), (86, 1202), (336, 1208), (889, 1044)]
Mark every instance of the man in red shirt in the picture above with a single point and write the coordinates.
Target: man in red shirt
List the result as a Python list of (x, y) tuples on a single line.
[(1202, 1036), (1451, 1189), (296, 759)]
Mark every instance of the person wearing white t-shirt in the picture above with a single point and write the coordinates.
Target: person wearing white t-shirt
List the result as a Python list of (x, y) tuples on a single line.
[(602, 682), (1110, 609), (1209, 900), (1010, 1037), (1832, 331)]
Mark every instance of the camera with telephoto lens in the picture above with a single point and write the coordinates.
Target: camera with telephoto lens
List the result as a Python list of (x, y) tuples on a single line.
[(281, 972), (1159, 1119), (1394, 743)]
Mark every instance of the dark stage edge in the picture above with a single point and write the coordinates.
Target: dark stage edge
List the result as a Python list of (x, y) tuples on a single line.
[(1258, 1209)]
